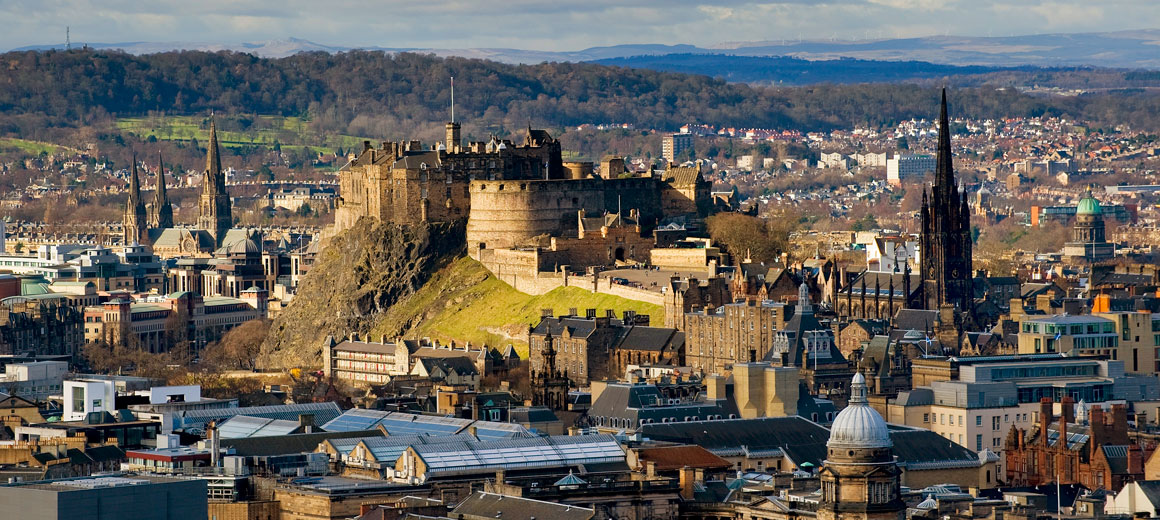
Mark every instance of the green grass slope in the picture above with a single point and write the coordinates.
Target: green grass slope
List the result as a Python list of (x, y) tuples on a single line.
[(464, 302)]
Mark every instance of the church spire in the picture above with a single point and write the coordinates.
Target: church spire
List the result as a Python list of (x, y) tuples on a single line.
[(133, 226), (135, 187), (164, 211), (215, 212), (213, 159), (944, 172)]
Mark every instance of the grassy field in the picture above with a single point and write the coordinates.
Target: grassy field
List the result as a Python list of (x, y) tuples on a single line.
[(463, 302), (29, 147), (288, 132)]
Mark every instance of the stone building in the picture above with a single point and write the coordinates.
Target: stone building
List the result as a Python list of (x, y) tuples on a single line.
[(1089, 242), (1097, 453), (691, 296), (593, 348), (716, 338), (860, 478), (40, 326), (405, 182)]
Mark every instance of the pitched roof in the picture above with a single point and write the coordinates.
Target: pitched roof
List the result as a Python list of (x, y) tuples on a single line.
[(668, 458), (803, 441), (488, 505)]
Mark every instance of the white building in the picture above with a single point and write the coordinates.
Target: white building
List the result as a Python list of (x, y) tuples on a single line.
[(82, 397), (35, 380), (903, 167)]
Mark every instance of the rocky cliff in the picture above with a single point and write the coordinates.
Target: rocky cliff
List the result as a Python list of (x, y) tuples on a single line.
[(360, 274)]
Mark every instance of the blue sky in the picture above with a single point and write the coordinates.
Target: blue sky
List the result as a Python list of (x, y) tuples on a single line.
[(553, 25)]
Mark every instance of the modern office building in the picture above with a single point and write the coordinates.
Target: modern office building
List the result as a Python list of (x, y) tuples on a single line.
[(106, 498)]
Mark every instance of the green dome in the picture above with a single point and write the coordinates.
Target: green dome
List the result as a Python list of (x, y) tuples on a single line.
[(1089, 206)]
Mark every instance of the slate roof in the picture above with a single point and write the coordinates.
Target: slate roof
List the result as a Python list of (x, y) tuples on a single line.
[(364, 346), (412, 160), (287, 444), (801, 440), (651, 339), (641, 402), (489, 505), (918, 448), (1117, 455)]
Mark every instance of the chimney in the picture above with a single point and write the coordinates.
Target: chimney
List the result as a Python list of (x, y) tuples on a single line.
[(306, 422), (572, 312), (715, 387), (688, 478), (609, 313), (1045, 416), (590, 314), (1067, 410), (1135, 460), (214, 444)]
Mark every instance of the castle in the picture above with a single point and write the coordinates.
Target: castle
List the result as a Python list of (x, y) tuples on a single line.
[(520, 195)]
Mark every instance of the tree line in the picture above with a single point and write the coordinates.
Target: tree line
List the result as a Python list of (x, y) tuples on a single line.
[(405, 94)]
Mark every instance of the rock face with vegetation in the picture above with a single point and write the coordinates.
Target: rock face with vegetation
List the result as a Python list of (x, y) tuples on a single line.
[(360, 274)]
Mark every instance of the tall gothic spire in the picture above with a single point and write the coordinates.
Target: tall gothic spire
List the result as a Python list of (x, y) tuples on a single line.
[(134, 221), (161, 206), (216, 215), (944, 173), (213, 159), (135, 188)]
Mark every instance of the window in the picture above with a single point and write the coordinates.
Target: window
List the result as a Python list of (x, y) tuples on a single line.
[(926, 417), (979, 442), (978, 420)]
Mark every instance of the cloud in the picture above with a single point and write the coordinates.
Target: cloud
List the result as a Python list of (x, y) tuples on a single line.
[(553, 25)]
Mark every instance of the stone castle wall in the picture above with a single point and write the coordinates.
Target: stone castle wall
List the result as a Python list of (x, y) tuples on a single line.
[(511, 213)]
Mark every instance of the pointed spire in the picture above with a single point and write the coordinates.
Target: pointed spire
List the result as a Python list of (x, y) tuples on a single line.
[(134, 186), (944, 172), (161, 204), (213, 160)]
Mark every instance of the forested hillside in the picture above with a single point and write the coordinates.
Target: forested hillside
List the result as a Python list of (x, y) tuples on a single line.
[(378, 94)]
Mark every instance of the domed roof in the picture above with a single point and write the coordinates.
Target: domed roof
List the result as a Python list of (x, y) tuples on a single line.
[(859, 425), (246, 246), (1088, 205)]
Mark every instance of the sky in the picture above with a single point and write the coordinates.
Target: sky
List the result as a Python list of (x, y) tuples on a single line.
[(552, 25)]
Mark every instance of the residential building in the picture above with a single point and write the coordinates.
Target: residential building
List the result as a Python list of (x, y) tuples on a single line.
[(907, 167), (675, 147)]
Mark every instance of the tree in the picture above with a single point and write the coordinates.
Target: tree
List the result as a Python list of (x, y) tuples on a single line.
[(743, 235), (238, 348)]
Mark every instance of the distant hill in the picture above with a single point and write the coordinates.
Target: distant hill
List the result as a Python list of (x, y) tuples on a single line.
[(362, 93), (797, 71), (1123, 49)]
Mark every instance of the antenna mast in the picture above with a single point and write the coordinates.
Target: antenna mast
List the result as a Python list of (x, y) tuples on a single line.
[(67, 38), (452, 99)]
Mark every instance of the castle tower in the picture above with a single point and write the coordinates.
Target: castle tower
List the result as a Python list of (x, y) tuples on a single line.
[(946, 233), (452, 141), (214, 203), (860, 479), (134, 222), (162, 217)]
